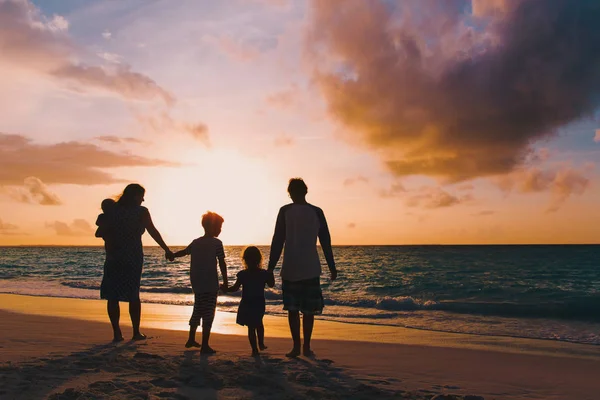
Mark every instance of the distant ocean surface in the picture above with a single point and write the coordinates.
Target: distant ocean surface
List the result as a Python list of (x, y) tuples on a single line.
[(546, 292)]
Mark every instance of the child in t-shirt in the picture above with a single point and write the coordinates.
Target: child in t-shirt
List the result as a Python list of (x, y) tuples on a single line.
[(252, 306), (205, 251)]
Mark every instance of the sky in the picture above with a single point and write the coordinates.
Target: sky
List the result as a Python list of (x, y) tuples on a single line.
[(412, 122)]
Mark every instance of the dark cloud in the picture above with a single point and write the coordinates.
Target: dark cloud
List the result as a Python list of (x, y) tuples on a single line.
[(437, 92), (78, 227), (67, 162)]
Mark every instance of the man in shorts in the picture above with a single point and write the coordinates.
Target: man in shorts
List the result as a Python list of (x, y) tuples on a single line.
[(296, 230)]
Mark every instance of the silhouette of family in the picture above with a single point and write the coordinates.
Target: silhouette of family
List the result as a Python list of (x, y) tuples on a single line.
[(298, 225)]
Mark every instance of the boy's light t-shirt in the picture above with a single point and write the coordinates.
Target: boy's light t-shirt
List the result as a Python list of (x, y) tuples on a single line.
[(204, 253)]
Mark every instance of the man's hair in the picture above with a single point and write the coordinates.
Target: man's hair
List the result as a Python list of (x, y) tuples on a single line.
[(211, 220), (297, 187)]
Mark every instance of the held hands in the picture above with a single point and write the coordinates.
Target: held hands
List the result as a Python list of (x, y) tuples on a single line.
[(224, 288), (169, 255)]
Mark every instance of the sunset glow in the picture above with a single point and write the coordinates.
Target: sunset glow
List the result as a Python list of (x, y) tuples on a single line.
[(215, 105)]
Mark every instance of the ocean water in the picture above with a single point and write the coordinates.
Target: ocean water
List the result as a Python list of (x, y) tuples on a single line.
[(545, 292)]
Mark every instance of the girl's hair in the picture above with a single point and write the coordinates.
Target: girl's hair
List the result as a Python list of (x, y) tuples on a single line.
[(252, 257), (131, 191)]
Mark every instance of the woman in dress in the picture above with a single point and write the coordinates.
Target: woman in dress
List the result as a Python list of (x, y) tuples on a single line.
[(125, 226)]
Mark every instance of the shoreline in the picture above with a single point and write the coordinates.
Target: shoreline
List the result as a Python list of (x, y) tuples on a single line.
[(42, 334)]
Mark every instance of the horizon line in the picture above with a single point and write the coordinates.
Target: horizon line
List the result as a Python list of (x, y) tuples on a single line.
[(335, 245)]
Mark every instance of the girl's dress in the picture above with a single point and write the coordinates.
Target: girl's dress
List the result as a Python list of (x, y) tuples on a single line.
[(252, 306)]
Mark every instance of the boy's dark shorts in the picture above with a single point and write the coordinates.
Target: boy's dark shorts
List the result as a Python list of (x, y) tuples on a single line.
[(304, 296)]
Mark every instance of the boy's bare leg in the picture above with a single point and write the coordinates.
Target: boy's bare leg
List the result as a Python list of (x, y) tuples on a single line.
[(308, 323), (114, 314), (294, 322), (206, 349), (192, 337)]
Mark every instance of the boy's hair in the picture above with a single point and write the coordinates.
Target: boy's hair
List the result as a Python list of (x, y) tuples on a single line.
[(211, 220), (297, 187), (107, 204), (252, 257)]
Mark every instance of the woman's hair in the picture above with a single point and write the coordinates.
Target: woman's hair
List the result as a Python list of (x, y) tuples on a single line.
[(131, 191), (252, 257)]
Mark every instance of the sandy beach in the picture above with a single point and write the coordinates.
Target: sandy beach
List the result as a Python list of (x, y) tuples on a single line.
[(59, 349)]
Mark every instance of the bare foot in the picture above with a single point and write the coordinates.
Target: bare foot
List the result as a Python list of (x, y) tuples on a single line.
[(139, 336), (293, 354), (192, 344), (308, 353), (262, 346), (207, 350), (118, 339), (255, 353)]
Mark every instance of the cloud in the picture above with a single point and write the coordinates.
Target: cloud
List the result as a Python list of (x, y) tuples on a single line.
[(351, 225), (118, 139), (110, 57), (30, 41), (162, 122), (435, 197), (437, 91), (283, 141), (66, 162), (562, 183), (597, 136), (355, 180), (107, 35), (7, 228), (284, 98), (34, 191), (394, 190), (78, 227), (237, 50), (484, 213)]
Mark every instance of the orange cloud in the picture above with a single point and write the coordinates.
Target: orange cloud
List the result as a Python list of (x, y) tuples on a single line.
[(282, 141), (561, 183), (31, 41), (7, 228), (433, 96), (284, 98), (78, 227), (358, 179), (34, 191), (67, 162), (118, 139), (162, 122), (435, 197)]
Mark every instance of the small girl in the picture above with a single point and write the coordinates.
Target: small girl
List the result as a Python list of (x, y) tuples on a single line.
[(252, 306)]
